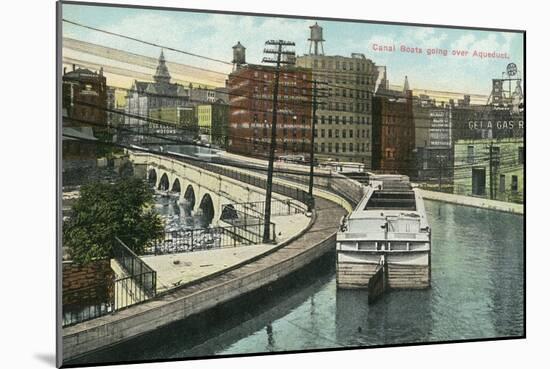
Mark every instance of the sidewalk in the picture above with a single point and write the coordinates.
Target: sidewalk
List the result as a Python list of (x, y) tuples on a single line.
[(176, 269), (508, 207)]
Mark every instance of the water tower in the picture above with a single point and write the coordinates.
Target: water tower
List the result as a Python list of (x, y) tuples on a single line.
[(239, 55), (316, 39)]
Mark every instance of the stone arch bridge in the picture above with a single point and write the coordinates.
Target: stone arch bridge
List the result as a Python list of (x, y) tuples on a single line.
[(204, 190)]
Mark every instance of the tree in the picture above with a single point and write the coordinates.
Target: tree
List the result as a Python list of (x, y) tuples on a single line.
[(108, 210)]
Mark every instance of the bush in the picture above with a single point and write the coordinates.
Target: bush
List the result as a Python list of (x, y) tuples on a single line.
[(108, 210)]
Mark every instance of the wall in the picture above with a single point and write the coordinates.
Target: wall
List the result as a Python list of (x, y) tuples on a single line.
[(78, 277)]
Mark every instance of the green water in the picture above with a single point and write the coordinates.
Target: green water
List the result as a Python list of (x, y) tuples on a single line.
[(477, 292)]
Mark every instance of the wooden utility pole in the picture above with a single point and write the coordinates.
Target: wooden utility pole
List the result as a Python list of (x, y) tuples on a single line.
[(311, 203), (278, 61)]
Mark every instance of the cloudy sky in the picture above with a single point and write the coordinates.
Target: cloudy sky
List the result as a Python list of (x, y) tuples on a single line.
[(213, 35)]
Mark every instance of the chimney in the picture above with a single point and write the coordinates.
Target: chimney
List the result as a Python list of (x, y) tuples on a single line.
[(74, 67), (64, 70)]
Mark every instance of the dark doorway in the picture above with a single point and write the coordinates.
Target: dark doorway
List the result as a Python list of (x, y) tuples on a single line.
[(478, 181)]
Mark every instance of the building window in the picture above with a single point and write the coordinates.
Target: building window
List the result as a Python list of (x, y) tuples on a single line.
[(351, 147), (336, 147), (330, 133), (322, 133), (502, 183), (470, 157), (514, 184), (337, 133), (322, 147), (351, 133), (343, 133), (329, 147), (344, 147)]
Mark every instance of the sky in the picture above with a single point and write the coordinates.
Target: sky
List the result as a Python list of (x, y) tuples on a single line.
[(214, 35)]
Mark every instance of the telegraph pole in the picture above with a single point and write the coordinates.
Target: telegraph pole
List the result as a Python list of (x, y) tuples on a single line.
[(440, 161), (311, 203), (278, 61), (491, 170)]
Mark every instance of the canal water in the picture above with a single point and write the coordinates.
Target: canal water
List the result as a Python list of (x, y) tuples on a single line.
[(477, 292)]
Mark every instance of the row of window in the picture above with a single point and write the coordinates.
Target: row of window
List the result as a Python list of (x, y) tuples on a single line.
[(343, 65), (285, 132), (329, 119), (282, 118), (284, 76), (342, 106), (351, 93), (364, 133), (359, 147), (502, 184)]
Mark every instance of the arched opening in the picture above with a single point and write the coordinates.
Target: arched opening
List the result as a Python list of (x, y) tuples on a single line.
[(152, 177), (164, 184), (207, 210), (189, 196), (176, 187), (229, 213)]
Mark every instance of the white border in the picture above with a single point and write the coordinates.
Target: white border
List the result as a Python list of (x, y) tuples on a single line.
[(28, 183)]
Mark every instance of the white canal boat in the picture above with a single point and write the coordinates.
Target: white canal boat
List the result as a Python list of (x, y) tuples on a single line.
[(387, 234)]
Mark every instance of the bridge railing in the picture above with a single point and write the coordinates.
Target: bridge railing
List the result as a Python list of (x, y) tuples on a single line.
[(257, 208), (197, 239)]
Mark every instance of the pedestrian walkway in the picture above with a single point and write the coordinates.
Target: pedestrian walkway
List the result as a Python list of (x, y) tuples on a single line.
[(477, 202), (174, 270)]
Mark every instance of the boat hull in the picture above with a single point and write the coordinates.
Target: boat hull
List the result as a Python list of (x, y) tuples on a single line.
[(402, 270)]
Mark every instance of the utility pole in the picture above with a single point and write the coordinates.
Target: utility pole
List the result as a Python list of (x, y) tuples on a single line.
[(278, 61), (311, 203), (440, 162), (494, 162)]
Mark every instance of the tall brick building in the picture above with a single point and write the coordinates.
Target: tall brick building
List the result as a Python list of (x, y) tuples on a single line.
[(393, 134), (250, 89)]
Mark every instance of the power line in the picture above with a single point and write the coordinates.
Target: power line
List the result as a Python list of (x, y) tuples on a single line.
[(146, 42)]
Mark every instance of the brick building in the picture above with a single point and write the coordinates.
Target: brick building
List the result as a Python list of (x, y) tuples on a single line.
[(250, 88), (393, 133)]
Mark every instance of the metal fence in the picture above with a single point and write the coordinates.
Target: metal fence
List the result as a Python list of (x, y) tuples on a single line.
[(189, 240), (87, 303), (140, 280), (257, 209)]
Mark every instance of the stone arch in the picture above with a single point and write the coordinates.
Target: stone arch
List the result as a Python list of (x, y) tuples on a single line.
[(176, 186), (189, 196), (229, 213), (164, 183), (207, 209), (152, 177)]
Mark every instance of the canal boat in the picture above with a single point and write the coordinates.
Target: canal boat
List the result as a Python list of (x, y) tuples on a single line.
[(386, 240)]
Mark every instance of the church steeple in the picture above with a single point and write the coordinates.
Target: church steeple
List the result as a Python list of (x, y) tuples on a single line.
[(162, 75)]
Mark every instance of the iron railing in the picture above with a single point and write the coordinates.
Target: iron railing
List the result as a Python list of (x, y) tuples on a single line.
[(257, 209), (197, 239), (141, 276), (87, 303)]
